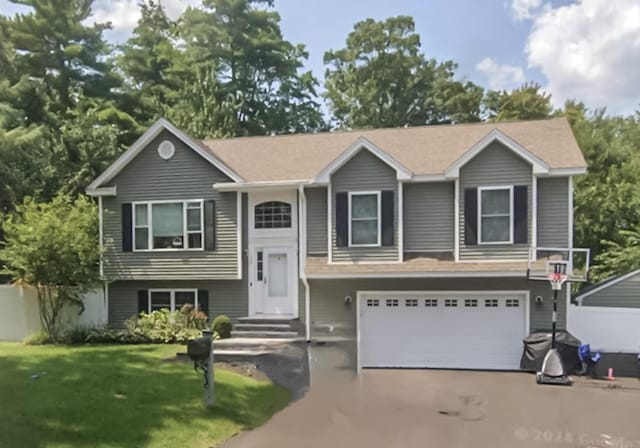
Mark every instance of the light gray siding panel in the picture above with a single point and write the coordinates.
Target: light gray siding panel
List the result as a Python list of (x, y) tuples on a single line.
[(225, 297), (185, 176), (330, 313), (625, 294), (316, 220), (496, 165), (428, 217), (553, 212), (364, 172)]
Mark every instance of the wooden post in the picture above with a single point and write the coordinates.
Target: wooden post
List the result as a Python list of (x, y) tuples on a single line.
[(209, 385)]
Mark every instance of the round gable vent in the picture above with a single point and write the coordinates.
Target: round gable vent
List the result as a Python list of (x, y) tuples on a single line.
[(166, 150)]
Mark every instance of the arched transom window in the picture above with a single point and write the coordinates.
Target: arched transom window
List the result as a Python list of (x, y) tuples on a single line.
[(273, 215)]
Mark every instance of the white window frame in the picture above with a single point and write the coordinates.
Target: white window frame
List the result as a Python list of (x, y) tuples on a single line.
[(172, 294), (379, 217), (494, 188), (185, 232)]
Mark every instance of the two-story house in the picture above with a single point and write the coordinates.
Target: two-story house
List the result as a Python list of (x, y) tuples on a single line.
[(414, 242)]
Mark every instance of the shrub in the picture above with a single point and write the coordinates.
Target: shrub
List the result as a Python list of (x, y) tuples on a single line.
[(222, 326), (112, 336), (38, 338), (166, 326), (78, 335)]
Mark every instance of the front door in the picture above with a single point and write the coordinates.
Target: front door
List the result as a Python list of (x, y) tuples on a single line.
[(274, 295)]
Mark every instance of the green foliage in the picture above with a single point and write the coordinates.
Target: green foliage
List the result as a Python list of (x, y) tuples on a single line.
[(38, 338), (618, 257), (113, 336), (381, 79), (527, 102), (53, 247), (222, 326), (166, 326)]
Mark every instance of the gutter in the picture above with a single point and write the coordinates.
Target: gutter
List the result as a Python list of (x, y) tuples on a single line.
[(302, 260)]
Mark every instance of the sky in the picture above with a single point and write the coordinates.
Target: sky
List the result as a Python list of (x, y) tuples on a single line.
[(583, 49)]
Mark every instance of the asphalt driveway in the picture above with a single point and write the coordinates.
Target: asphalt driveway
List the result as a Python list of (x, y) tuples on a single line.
[(422, 408)]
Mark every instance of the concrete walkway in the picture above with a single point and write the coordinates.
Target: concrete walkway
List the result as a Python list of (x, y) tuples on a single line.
[(423, 408)]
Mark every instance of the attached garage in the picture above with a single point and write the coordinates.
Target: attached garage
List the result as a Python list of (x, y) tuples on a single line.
[(447, 329)]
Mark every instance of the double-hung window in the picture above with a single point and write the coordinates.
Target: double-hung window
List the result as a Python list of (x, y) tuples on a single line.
[(171, 299), (168, 225), (364, 218), (495, 215)]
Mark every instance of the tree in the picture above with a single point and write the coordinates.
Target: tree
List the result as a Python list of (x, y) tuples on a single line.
[(618, 257), (527, 102), (381, 79), (52, 43), (258, 72), (150, 64), (54, 248)]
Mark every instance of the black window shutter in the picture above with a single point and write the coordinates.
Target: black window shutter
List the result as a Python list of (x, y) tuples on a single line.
[(387, 217), (342, 219), (210, 225), (203, 301), (127, 227), (470, 216), (143, 301), (520, 215)]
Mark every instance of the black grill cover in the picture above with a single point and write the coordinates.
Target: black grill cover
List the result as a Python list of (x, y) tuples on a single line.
[(537, 345)]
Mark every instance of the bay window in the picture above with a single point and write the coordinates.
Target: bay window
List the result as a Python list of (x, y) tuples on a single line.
[(364, 218), (168, 225), (495, 215)]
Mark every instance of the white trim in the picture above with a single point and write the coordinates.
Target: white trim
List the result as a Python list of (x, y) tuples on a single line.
[(302, 259), (101, 191), (561, 172), (101, 236), (479, 207), (329, 225), (172, 296), (570, 237), (622, 278), (400, 222), (429, 178), (149, 226), (539, 166), (534, 210), (238, 232), (456, 220), (379, 217), (360, 294), (402, 173), (250, 186), (145, 140), (363, 262), (418, 274)]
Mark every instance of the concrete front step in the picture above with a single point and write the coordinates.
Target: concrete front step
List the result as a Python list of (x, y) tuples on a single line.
[(263, 327), (263, 334)]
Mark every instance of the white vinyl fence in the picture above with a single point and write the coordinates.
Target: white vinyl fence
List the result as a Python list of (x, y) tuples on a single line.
[(19, 314), (606, 329)]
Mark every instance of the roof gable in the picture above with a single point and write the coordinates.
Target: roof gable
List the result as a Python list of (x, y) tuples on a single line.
[(360, 144), (604, 284), (96, 187)]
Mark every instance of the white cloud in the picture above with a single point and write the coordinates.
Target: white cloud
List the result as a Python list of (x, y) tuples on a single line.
[(500, 76), (124, 14), (589, 50), (524, 9)]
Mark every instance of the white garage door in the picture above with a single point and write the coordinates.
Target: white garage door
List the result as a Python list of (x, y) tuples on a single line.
[(442, 330)]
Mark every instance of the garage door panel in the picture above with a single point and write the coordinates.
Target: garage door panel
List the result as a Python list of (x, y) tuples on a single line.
[(441, 330)]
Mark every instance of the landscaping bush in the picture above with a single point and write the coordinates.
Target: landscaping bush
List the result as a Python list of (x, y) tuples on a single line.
[(38, 338), (166, 326), (222, 326), (77, 335), (112, 336)]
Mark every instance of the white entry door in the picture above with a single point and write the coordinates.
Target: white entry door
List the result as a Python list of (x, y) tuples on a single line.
[(470, 330), (275, 293)]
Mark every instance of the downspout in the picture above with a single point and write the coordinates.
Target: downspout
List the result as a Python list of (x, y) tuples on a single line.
[(302, 259), (105, 289)]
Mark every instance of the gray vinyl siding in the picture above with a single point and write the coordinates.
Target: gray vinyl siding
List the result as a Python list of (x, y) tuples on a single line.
[(316, 220), (364, 172), (496, 165), (553, 212), (331, 315), (625, 294), (185, 176), (225, 297), (429, 217)]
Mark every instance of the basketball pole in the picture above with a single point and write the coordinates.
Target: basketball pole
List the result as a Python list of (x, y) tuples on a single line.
[(554, 316)]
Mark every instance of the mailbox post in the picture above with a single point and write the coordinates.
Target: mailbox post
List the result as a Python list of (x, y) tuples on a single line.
[(209, 385)]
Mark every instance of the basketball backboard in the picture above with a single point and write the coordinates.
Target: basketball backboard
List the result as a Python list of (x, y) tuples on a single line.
[(543, 261)]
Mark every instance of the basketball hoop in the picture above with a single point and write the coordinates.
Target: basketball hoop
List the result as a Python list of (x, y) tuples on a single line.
[(557, 279)]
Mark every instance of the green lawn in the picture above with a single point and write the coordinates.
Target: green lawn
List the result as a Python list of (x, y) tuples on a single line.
[(121, 396)]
